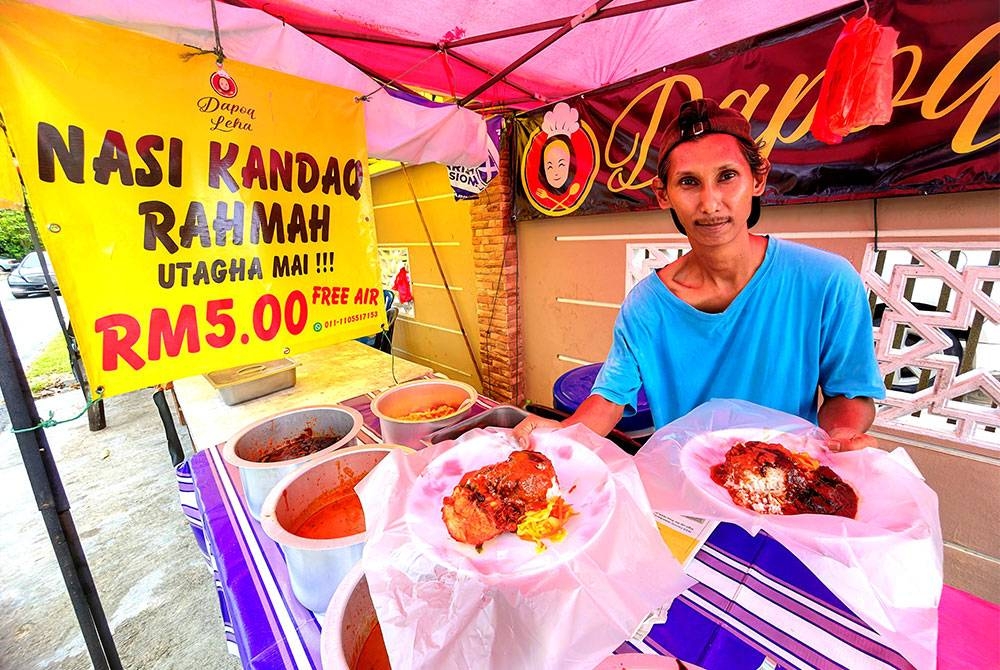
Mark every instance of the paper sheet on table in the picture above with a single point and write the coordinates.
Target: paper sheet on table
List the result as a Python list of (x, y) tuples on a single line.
[(886, 564), (442, 604)]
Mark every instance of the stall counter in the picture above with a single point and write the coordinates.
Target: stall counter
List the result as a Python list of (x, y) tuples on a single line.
[(324, 376)]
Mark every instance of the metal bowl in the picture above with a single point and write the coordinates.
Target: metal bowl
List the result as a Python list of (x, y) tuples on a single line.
[(348, 622), (244, 449), (416, 396), (317, 566)]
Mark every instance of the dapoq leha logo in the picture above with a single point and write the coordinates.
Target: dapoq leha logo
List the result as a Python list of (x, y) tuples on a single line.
[(559, 163), (223, 84)]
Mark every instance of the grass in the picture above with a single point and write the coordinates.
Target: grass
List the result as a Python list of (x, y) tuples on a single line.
[(51, 372)]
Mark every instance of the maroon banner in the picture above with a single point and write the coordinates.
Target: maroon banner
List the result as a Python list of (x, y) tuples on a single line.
[(598, 154)]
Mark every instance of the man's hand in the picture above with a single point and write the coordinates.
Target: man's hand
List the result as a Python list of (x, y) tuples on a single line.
[(845, 420), (522, 431), (848, 439), (595, 412)]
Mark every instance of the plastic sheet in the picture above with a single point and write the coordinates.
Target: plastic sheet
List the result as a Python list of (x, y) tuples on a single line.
[(886, 564), (443, 605), (857, 88)]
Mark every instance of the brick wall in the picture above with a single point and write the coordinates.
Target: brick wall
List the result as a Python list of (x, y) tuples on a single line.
[(494, 248)]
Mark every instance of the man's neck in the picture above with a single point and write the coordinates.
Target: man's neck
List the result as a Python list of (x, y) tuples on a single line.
[(732, 264), (710, 278)]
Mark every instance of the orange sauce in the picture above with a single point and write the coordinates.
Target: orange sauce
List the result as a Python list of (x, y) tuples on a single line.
[(373, 655), (339, 517)]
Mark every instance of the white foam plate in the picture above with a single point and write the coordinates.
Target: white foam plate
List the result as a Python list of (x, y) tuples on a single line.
[(583, 479)]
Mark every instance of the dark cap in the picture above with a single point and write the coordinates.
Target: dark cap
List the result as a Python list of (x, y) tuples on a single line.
[(700, 117)]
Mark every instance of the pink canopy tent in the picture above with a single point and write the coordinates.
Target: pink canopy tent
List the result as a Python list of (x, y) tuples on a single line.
[(481, 54), (510, 53)]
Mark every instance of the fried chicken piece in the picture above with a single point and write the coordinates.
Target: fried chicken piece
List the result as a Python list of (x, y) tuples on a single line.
[(495, 498), (770, 479)]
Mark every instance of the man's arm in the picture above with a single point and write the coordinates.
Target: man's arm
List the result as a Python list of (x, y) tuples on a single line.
[(596, 413), (846, 421)]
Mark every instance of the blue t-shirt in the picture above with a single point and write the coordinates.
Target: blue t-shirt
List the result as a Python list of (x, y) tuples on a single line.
[(802, 322)]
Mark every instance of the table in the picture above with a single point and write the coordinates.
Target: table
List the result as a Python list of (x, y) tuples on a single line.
[(268, 628), (324, 376), (264, 624)]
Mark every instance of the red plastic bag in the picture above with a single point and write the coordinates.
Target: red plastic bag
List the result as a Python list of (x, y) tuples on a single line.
[(857, 89)]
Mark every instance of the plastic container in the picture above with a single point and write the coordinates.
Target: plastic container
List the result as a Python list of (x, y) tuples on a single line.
[(246, 382), (418, 396), (245, 448), (573, 387), (317, 565), (351, 618), (501, 416)]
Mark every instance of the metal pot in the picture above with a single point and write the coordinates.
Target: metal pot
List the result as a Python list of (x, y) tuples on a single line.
[(348, 622), (245, 448), (316, 566), (415, 396)]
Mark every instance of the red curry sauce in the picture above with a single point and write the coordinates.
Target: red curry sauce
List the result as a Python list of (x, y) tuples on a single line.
[(339, 514), (373, 655)]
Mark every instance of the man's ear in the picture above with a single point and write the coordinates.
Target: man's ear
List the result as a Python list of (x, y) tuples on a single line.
[(760, 178), (661, 193)]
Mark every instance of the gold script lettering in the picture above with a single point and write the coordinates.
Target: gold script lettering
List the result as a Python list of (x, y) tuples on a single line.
[(625, 172), (796, 91), (918, 57), (636, 154), (752, 100), (963, 140)]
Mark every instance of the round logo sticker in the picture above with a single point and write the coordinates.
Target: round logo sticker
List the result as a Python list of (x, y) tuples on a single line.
[(559, 163), (223, 84)]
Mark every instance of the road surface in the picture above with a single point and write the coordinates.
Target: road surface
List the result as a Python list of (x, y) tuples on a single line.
[(32, 321)]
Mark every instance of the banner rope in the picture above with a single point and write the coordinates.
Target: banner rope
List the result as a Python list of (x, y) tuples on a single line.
[(52, 421), (220, 56)]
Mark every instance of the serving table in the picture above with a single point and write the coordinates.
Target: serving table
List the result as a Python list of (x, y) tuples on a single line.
[(752, 597), (264, 624), (323, 376)]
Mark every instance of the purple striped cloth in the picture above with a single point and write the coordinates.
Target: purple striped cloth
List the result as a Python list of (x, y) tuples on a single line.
[(264, 624), (755, 605)]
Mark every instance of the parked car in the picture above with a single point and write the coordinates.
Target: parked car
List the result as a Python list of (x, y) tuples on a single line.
[(8, 264), (27, 278)]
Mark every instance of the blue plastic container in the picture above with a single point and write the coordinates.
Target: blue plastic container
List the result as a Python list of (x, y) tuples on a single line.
[(573, 387)]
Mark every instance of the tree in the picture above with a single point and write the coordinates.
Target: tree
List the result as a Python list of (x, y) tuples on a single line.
[(14, 239)]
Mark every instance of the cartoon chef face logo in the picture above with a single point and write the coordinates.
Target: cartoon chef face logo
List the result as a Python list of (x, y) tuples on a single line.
[(223, 84), (559, 162)]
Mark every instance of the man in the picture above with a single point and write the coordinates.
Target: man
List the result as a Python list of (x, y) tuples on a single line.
[(740, 316)]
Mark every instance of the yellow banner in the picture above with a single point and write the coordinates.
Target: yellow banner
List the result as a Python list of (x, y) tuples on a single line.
[(197, 218), (10, 186)]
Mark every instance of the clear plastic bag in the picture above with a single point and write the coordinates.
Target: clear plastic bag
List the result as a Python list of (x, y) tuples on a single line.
[(443, 605), (885, 564), (857, 88)]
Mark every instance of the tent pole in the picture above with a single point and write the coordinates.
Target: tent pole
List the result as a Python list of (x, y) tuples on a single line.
[(586, 15), (54, 506), (95, 411)]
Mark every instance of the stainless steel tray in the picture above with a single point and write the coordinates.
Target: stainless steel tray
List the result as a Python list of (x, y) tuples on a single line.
[(501, 416), (246, 382)]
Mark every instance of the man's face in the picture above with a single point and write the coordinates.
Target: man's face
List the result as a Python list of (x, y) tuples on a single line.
[(710, 187)]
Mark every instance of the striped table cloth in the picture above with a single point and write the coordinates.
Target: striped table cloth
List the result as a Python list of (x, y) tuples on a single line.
[(755, 606), (264, 624)]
